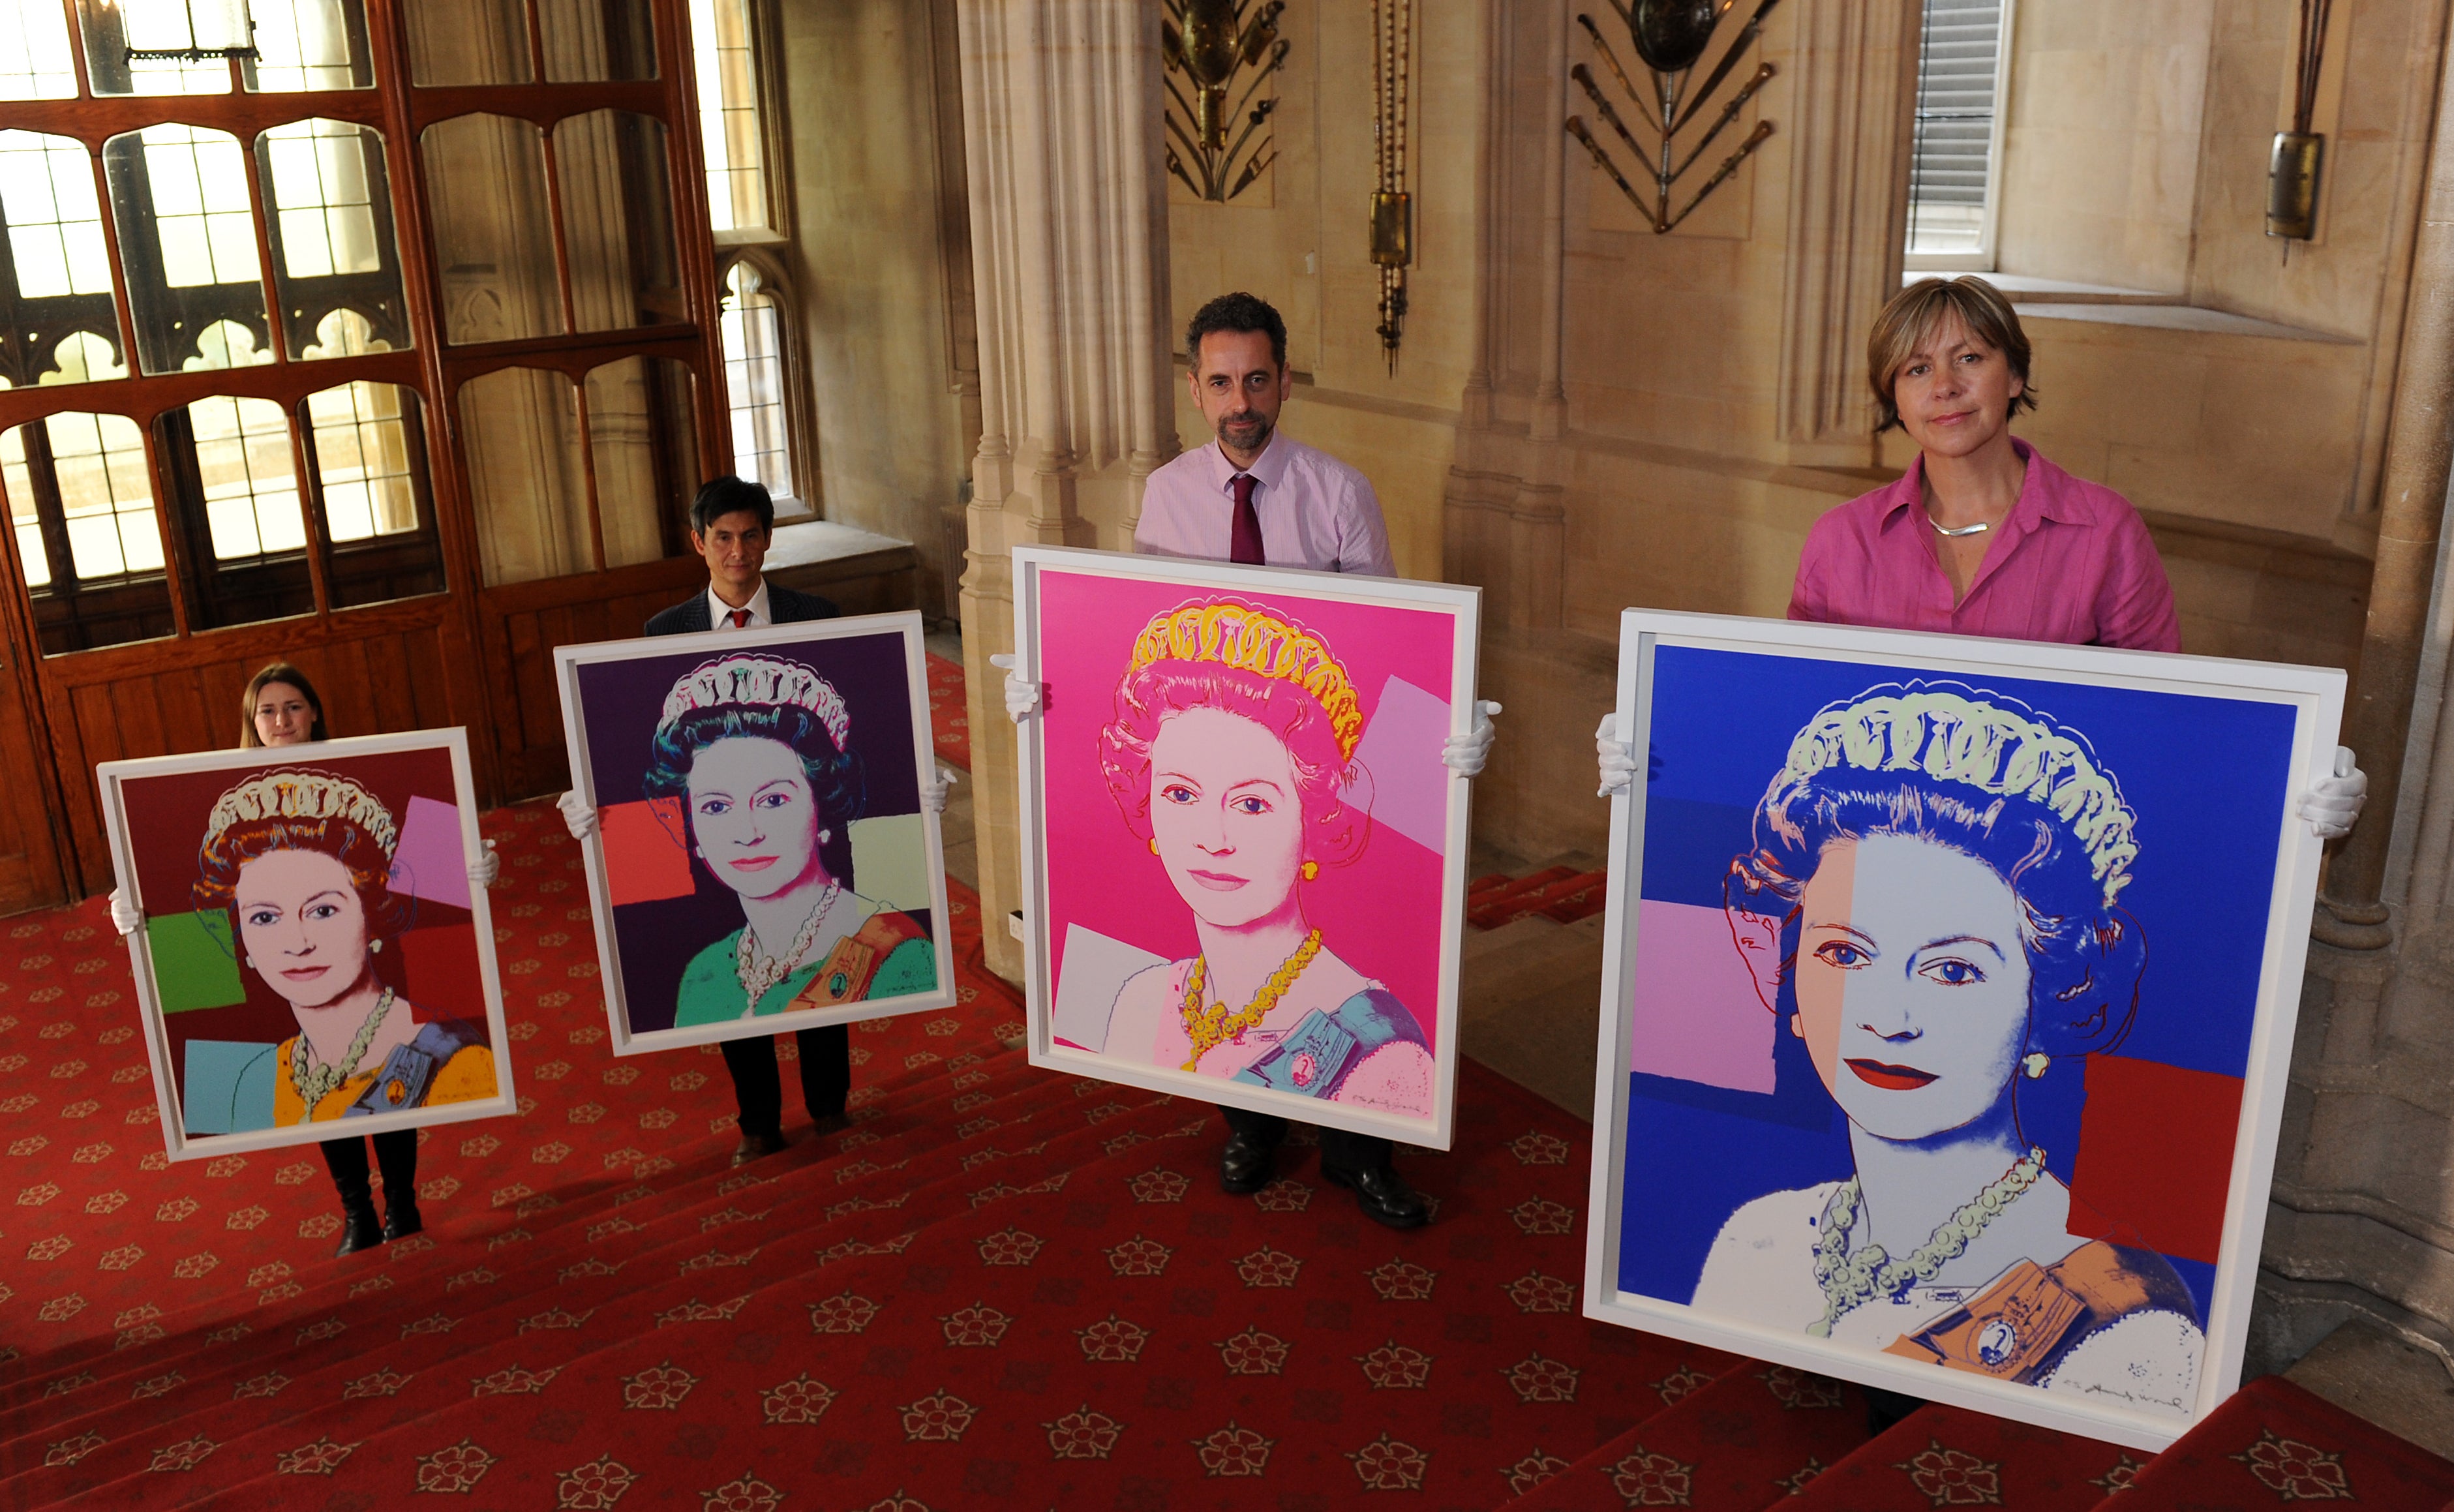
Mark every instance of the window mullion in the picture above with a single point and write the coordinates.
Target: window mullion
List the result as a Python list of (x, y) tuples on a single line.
[(553, 211), (50, 514), (277, 329), (123, 304), (588, 470), (311, 504), (169, 501), (76, 48), (310, 513)]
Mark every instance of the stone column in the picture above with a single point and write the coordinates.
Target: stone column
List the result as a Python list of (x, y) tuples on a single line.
[(2411, 511), (1061, 133), (1849, 123)]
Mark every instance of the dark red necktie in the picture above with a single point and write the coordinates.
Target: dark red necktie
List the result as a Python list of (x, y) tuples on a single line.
[(1245, 545), (740, 618)]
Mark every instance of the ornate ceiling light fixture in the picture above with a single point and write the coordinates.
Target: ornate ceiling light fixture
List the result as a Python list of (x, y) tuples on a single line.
[(1671, 37), (1393, 231), (2292, 169), (1212, 43)]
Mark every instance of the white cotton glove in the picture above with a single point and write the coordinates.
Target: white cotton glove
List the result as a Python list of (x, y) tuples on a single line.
[(1616, 762), (1465, 753), (123, 916), (2332, 805), (1020, 697), (933, 793), (487, 866), (576, 814)]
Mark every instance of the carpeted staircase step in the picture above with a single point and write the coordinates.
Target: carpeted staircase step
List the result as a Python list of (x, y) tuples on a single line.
[(1111, 1326), (1492, 901), (672, 1234), (1749, 1438), (2272, 1442), (1150, 1346), (850, 1279), (922, 1106), (1941, 1456)]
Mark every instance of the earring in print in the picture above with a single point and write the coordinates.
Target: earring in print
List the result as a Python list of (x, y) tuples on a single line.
[(2033, 1065), (824, 836), (1798, 1026), (374, 947), (1312, 871), (1153, 844)]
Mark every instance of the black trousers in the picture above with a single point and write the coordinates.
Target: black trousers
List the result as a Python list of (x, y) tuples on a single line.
[(395, 1151), (826, 1075), (1348, 1152)]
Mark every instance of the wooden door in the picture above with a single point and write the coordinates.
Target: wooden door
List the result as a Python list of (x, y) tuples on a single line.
[(442, 413)]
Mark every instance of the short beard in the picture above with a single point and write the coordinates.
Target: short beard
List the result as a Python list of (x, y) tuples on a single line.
[(1260, 440)]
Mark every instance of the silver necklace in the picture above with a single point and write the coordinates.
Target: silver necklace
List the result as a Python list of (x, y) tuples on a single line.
[(315, 1079), (759, 972), (1978, 529), (1849, 1280)]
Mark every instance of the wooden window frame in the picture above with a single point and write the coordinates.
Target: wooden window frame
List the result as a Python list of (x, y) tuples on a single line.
[(468, 654), (800, 394), (1988, 252)]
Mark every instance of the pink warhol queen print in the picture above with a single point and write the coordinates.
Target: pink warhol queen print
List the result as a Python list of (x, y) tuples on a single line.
[(1123, 928)]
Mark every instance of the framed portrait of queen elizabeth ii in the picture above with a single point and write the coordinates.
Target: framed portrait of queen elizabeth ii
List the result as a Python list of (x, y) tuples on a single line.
[(763, 859), (313, 959), (1949, 994), (1243, 862)]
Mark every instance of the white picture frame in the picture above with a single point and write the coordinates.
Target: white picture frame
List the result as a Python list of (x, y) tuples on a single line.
[(2313, 698), (1269, 587), (113, 779), (916, 885)]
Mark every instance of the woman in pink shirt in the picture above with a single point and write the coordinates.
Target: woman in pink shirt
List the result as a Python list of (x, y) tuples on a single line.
[(1983, 536)]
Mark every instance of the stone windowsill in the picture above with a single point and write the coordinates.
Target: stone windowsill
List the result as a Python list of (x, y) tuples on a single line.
[(2178, 317), (2112, 305)]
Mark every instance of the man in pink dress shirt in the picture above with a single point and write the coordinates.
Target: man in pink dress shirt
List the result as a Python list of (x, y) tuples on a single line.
[(1307, 508), (1256, 495)]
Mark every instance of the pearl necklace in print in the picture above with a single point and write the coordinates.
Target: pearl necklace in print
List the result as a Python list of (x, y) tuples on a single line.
[(1208, 1027), (1850, 1281), (315, 1079), (759, 972)]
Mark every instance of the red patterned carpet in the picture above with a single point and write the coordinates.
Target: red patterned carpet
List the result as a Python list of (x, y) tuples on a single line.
[(949, 720), (996, 1278), (1000, 1287)]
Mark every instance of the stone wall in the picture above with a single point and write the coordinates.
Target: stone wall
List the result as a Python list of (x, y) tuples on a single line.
[(1586, 415), (880, 263)]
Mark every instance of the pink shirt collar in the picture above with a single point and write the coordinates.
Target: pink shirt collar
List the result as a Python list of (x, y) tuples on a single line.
[(1270, 467), (2044, 495)]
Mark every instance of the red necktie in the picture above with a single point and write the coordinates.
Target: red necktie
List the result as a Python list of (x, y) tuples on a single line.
[(1245, 544), (740, 618)]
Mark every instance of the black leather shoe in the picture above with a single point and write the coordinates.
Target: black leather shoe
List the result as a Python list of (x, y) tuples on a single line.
[(401, 1217), (1383, 1195), (1244, 1166), (754, 1146), (835, 1122), (361, 1228)]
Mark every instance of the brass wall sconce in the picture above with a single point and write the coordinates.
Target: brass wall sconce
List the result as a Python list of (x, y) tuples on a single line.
[(2292, 167), (1213, 42), (1671, 37), (1393, 231)]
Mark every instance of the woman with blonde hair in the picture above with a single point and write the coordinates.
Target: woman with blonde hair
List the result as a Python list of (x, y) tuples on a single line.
[(1983, 536), (349, 837)]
